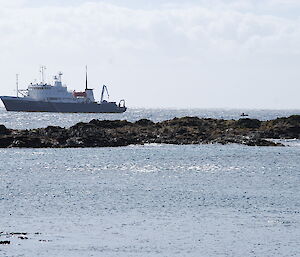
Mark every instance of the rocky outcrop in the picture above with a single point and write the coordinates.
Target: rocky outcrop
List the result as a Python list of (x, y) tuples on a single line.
[(186, 130), (4, 130), (6, 242)]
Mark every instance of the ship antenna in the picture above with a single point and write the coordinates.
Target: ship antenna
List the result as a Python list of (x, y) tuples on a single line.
[(17, 84), (86, 78), (42, 69)]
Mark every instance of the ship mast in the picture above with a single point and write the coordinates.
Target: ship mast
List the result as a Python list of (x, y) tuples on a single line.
[(86, 78), (17, 84), (42, 69)]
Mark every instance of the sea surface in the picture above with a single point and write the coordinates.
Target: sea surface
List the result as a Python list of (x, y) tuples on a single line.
[(21, 120), (150, 200)]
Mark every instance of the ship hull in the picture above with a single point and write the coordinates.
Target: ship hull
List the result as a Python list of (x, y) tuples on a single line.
[(19, 104)]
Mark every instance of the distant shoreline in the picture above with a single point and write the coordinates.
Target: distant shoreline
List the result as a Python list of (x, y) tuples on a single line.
[(178, 131)]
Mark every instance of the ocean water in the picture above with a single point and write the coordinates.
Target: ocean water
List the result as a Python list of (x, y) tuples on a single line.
[(20, 120), (150, 200)]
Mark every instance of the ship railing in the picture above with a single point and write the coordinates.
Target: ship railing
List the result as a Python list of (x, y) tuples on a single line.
[(23, 92)]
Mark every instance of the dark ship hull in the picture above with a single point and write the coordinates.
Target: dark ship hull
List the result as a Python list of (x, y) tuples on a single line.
[(19, 104)]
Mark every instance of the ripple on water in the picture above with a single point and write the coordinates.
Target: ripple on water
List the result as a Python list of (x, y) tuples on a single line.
[(157, 200), (23, 120)]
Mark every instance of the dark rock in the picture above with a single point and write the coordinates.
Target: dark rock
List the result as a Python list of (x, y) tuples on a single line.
[(4, 130), (292, 120), (74, 142), (186, 130), (26, 142), (282, 128), (144, 122), (4, 242), (23, 237), (54, 129), (184, 121), (6, 141), (111, 124), (248, 123), (80, 124)]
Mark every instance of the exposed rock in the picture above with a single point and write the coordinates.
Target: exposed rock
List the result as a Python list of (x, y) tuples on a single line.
[(144, 122), (109, 124), (186, 130), (23, 237), (248, 123), (18, 233), (27, 142), (4, 130), (6, 141), (4, 242)]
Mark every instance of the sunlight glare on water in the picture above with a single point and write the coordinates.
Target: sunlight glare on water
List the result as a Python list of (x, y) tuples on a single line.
[(23, 120), (160, 200)]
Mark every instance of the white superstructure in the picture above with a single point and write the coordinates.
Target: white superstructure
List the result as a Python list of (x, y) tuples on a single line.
[(57, 92)]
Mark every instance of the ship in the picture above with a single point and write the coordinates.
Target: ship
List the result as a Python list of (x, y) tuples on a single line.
[(44, 97)]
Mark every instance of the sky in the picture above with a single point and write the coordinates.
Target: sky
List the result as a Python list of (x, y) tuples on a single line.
[(158, 53)]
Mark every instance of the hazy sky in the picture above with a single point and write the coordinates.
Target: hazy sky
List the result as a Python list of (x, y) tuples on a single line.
[(204, 53)]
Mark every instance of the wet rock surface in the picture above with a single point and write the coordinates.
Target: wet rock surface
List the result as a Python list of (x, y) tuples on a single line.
[(186, 130)]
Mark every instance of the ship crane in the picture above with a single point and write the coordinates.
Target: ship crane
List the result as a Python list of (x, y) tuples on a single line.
[(104, 88)]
